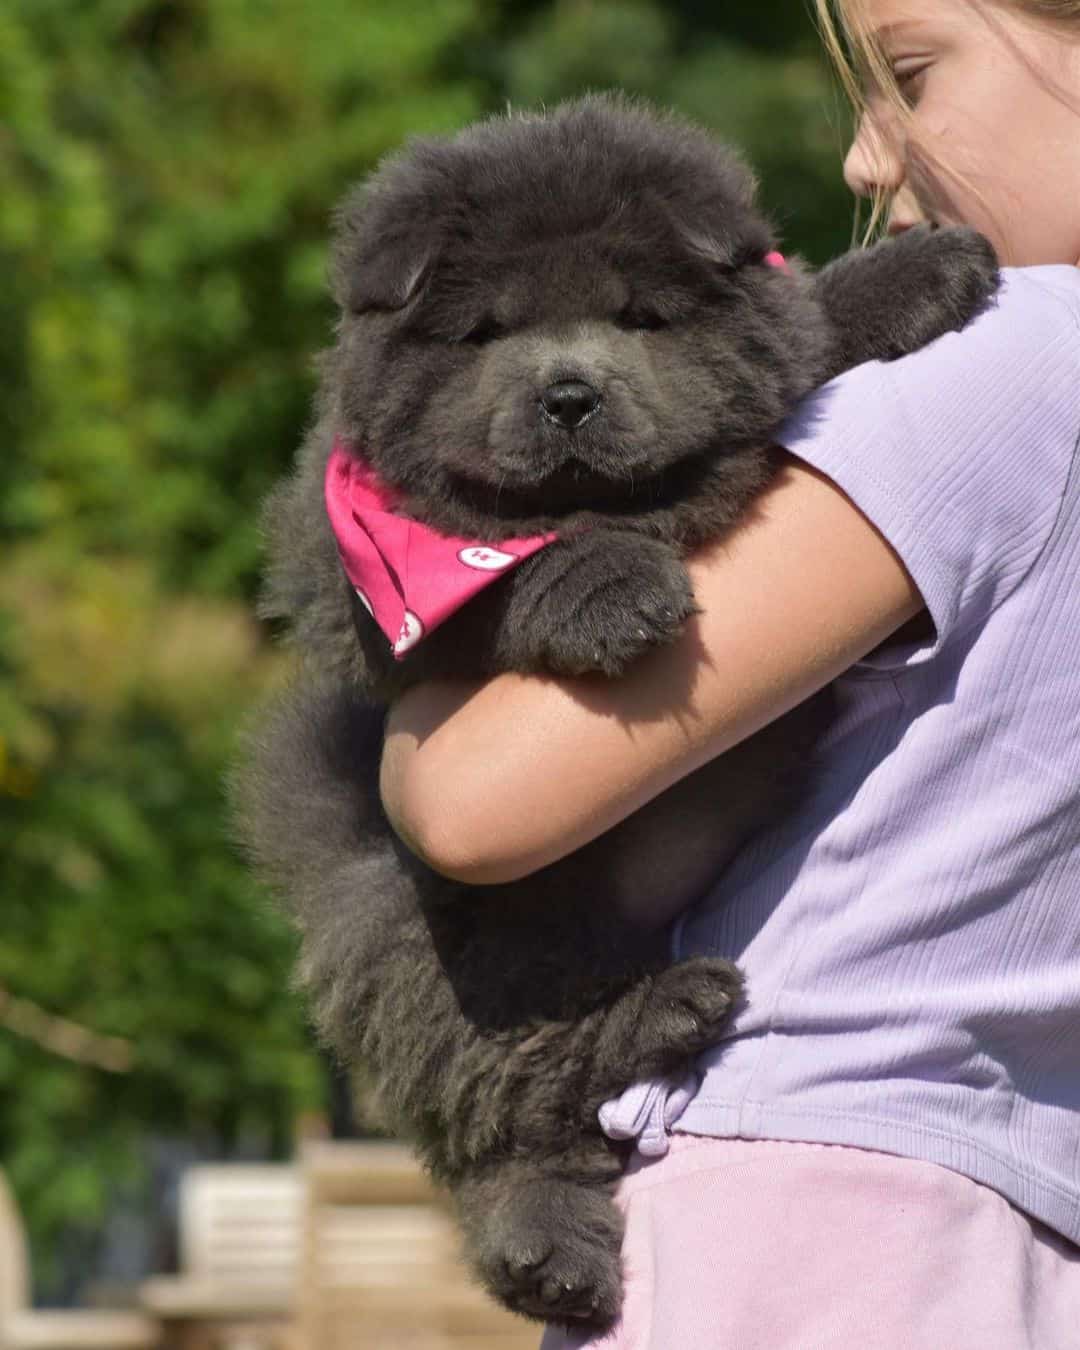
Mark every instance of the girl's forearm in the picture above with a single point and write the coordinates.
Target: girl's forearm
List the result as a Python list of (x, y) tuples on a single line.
[(489, 782)]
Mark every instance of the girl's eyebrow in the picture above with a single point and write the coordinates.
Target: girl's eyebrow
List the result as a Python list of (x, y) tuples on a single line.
[(900, 29)]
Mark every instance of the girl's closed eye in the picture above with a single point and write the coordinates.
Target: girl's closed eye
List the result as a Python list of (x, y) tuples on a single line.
[(910, 76)]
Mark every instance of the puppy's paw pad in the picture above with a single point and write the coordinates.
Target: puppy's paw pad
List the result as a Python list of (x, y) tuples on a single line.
[(690, 1003), (616, 622), (564, 1287), (954, 269), (551, 1251)]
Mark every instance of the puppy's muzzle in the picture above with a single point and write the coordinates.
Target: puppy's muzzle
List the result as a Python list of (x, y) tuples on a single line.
[(569, 404)]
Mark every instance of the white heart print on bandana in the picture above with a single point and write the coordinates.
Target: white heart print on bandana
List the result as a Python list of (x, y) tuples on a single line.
[(412, 630), (486, 559)]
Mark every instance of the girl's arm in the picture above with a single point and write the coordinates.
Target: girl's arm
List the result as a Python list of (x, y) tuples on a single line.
[(489, 782), (960, 455)]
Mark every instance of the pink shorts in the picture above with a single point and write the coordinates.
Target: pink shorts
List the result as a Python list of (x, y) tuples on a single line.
[(738, 1244)]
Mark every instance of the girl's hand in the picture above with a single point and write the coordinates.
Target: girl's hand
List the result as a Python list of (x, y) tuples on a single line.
[(489, 782)]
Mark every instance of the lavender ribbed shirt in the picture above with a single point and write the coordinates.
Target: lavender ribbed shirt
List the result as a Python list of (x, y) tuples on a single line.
[(910, 936)]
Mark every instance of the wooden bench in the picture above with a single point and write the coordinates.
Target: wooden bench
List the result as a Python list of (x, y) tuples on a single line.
[(351, 1248), (25, 1328), (239, 1235), (381, 1266)]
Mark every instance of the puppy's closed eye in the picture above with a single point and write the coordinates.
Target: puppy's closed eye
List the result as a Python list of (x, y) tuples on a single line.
[(486, 329), (639, 318), (432, 326)]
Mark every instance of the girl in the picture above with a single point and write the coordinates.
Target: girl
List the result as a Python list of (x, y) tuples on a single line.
[(884, 1152)]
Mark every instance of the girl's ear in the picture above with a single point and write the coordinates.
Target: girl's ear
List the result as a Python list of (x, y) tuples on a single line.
[(380, 259)]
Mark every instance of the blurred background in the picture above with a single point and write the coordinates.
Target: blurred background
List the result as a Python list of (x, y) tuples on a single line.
[(167, 171)]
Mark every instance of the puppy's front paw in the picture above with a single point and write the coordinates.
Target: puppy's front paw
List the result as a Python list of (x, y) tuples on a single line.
[(947, 276), (890, 300), (688, 1007), (599, 604)]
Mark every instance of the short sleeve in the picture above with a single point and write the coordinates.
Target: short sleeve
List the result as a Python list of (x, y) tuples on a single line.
[(960, 453)]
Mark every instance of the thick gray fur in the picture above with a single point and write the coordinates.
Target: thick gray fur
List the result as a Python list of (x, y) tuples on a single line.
[(606, 243)]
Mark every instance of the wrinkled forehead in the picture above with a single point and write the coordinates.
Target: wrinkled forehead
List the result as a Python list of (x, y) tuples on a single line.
[(616, 246), (556, 274), (564, 274), (548, 243)]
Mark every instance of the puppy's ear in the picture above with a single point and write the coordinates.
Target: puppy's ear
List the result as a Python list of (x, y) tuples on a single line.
[(379, 260), (713, 246), (728, 248)]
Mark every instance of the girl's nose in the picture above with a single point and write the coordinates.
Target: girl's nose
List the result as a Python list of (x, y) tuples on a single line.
[(873, 161)]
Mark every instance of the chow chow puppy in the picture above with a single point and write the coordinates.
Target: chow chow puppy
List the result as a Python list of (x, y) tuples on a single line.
[(570, 324)]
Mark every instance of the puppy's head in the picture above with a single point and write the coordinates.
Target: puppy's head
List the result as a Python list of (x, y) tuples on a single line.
[(547, 311)]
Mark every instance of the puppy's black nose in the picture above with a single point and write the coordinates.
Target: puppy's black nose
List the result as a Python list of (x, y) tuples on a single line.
[(569, 403)]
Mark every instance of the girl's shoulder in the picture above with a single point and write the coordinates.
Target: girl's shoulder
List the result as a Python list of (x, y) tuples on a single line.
[(1033, 306), (1054, 283), (1038, 298), (962, 454)]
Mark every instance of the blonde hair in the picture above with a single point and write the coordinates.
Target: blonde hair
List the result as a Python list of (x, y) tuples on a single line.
[(851, 45)]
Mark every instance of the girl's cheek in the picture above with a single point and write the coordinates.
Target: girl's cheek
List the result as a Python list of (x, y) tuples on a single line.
[(929, 184)]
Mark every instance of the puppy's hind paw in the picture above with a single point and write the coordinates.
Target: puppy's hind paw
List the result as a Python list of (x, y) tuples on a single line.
[(550, 1250)]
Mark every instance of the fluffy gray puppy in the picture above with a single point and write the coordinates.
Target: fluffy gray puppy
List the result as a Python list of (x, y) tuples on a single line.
[(547, 321)]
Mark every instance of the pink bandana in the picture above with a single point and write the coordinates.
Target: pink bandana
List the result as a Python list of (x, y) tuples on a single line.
[(407, 575)]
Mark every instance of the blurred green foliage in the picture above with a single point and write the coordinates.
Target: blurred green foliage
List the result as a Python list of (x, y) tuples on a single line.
[(167, 170)]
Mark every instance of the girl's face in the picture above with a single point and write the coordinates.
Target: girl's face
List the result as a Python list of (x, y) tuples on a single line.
[(994, 97)]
